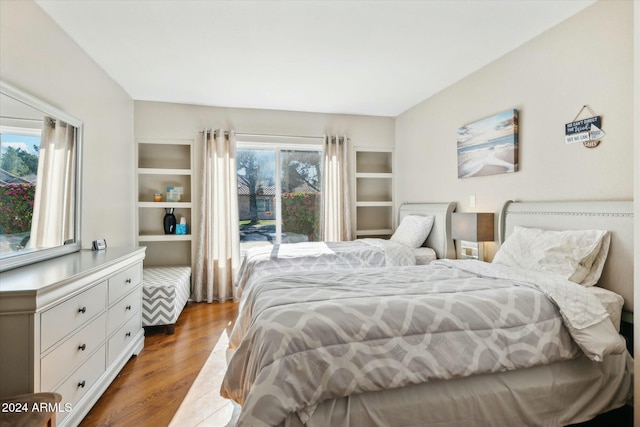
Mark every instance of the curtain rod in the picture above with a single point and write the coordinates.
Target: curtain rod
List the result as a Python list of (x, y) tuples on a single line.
[(279, 136), (213, 130), (270, 135), (245, 134)]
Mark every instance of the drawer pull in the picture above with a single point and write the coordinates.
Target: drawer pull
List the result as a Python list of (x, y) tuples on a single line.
[(127, 281), (82, 347), (128, 334), (81, 384), (82, 310), (128, 307)]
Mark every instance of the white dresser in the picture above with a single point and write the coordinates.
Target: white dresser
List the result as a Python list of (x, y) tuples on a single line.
[(69, 325)]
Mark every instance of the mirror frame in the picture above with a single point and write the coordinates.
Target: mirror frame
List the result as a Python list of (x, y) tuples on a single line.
[(29, 256)]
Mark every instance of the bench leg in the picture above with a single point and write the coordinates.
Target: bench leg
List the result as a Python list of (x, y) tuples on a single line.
[(170, 329)]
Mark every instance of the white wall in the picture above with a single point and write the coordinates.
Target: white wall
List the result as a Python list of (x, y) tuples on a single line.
[(39, 58), (167, 120), (584, 60)]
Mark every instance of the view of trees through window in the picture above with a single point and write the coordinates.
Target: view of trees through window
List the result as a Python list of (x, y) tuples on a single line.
[(18, 172), (279, 195)]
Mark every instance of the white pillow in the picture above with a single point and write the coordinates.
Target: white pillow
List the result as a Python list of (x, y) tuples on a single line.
[(575, 255), (413, 230)]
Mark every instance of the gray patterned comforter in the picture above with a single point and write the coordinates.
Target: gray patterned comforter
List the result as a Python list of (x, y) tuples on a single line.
[(263, 261), (302, 339)]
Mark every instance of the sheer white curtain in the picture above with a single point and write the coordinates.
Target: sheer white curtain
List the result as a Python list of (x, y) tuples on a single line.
[(336, 215), (218, 245), (53, 215)]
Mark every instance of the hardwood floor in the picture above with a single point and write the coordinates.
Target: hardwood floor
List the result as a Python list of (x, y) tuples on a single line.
[(151, 387)]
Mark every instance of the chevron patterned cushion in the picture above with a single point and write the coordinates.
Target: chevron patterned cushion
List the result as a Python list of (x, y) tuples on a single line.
[(165, 291)]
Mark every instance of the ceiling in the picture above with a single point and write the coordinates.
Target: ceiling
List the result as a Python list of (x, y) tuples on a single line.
[(361, 57)]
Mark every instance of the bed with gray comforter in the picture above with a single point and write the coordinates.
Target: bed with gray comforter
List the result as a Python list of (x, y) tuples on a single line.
[(263, 261), (306, 339)]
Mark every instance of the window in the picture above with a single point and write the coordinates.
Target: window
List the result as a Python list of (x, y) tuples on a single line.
[(278, 193), (18, 173), (264, 205)]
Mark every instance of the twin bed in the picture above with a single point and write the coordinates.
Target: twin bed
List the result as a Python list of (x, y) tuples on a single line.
[(525, 340), (423, 235)]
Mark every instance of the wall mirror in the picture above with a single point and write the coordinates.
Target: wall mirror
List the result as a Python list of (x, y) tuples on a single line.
[(40, 178)]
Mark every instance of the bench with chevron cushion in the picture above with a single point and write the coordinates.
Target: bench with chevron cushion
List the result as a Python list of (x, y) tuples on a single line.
[(165, 292)]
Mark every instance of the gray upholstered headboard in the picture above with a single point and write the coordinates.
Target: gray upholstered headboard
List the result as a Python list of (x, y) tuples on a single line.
[(440, 237), (615, 216)]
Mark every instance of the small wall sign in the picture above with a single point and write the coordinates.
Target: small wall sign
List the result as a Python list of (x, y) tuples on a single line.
[(587, 131)]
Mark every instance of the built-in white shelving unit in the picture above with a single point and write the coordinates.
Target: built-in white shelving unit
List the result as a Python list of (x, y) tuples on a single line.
[(162, 163), (374, 191)]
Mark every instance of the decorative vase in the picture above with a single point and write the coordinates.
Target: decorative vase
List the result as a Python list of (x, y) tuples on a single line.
[(169, 221)]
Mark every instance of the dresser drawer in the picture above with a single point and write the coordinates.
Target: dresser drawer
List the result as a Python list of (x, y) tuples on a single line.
[(123, 282), (123, 336), (73, 352), (60, 320), (81, 381), (123, 309)]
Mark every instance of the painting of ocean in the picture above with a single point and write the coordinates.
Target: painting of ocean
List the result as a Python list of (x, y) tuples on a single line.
[(489, 146)]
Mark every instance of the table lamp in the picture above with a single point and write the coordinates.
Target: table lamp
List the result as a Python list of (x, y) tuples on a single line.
[(472, 229)]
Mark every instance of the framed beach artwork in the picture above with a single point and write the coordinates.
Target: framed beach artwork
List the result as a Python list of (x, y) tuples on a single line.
[(489, 146)]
